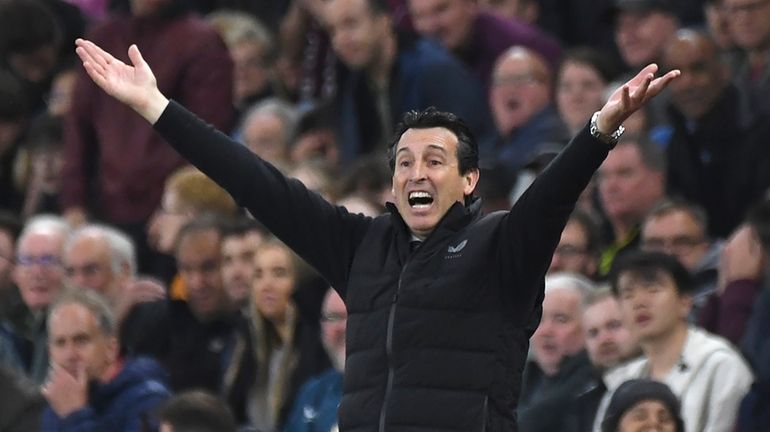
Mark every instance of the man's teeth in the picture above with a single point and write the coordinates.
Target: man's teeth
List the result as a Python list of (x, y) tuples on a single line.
[(419, 194), (420, 199)]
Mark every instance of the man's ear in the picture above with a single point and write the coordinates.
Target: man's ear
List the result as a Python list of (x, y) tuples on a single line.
[(471, 180)]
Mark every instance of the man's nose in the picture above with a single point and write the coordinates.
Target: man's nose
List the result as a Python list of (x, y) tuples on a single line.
[(70, 352), (418, 171)]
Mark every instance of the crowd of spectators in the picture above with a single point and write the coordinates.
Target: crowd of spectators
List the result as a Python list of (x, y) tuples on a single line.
[(137, 295)]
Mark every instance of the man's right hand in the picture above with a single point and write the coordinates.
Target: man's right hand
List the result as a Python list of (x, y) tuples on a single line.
[(64, 392), (134, 85)]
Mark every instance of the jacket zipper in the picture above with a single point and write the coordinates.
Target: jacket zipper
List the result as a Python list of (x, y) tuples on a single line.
[(484, 414), (389, 349)]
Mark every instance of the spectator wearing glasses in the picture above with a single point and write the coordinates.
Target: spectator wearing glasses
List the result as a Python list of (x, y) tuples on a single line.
[(520, 98), (39, 274), (103, 258), (679, 228)]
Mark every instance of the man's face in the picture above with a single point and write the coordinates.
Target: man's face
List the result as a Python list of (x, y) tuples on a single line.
[(749, 22), (572, 255), (678, 234), (6, 259), (628, 188), (334, 318), (274, 281), (608, 341), (250, 68), (39, 273), (77, 343), (647, 415), (198, 259), (560, 333), (641, 36), (264, 136), (87, 264), (718, 24), (238, 252), (651, 308), (579, 93), (520, 89), (449, 21), (703, 77), (356, 32), (427, 179)]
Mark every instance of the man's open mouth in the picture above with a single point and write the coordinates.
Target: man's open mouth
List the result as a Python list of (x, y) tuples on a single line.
[(420, 199)]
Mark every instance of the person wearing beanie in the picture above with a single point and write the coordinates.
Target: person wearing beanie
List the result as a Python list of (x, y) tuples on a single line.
[(639, 403)]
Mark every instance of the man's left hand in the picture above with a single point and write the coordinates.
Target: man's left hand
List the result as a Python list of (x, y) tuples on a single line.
[(631, 96)]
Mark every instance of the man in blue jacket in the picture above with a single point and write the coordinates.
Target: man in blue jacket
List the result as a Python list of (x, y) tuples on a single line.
[(441, 299), (88, 387)]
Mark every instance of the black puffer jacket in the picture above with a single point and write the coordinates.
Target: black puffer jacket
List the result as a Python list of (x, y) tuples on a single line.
[(436, 340)]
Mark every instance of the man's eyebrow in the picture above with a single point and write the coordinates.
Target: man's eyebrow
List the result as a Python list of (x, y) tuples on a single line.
[(430, 146), (437, 147)]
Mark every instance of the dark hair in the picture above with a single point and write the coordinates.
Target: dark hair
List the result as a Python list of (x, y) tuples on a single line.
[(26, 26), (204, 223), (467, 148), (242, 225), (590, 57), (14, 104), (649, 267), (671, 205), (196, 411), (10, 223), (317, 117), (590, 228), (378, 7)]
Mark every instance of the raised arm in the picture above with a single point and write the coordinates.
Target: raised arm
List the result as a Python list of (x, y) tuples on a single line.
[(534, 225), (134, 85), (324, 235)]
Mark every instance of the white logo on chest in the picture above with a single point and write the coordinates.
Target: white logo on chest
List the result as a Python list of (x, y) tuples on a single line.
[(454, 251)]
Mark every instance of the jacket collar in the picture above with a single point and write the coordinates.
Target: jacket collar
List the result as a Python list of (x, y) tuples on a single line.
[(457, 217)]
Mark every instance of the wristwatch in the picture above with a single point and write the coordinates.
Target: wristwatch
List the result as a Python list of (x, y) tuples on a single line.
[(609, 139)]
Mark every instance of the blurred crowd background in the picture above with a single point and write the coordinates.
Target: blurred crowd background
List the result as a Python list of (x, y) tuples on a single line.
[(132, 281)]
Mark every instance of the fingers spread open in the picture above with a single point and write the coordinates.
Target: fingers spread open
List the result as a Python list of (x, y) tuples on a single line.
[(640, 92)]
